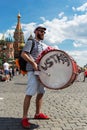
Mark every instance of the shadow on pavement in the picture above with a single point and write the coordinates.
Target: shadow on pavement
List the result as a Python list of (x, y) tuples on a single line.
[(20, 83), (7, 123)]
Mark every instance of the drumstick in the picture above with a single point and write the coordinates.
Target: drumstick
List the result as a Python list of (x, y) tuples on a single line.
[(37, 72)]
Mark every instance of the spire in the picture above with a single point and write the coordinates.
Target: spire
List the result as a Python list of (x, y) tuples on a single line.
[(18, 37), (18, 34), (18, 27)]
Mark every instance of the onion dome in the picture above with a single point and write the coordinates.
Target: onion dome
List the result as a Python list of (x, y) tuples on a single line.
[(9, 39)]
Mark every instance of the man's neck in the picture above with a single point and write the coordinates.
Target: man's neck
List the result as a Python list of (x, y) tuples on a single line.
[(37, 39)]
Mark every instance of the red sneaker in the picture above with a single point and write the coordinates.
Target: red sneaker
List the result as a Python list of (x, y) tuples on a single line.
[(41, 116), (25, 123)]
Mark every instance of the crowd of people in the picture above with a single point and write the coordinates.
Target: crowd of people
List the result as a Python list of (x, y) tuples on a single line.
[(7, 72)]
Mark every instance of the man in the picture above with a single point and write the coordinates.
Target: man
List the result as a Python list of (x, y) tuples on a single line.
[(34, 86), (6, 70)]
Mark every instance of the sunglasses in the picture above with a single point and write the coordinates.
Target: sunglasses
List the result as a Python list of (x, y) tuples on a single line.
[(41, 31)]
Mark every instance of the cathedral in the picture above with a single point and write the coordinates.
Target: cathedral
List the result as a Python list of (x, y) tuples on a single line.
[(10, 47)]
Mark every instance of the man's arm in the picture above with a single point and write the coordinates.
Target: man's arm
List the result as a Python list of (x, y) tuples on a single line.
[(29, 59)]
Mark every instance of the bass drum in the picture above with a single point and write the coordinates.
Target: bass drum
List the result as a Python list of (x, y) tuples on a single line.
[(57, 69)]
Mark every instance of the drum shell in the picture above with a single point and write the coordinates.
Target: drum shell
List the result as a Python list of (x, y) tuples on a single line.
[(75, 71)]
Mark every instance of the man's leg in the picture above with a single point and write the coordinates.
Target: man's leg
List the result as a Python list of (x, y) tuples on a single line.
[(38, 103), (38, 114), (26, 105), (25, 122)]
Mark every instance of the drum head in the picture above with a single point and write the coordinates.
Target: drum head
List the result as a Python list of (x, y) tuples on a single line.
[(55, 69)]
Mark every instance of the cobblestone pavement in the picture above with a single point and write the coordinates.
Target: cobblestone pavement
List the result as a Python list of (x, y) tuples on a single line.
[(67, 107)]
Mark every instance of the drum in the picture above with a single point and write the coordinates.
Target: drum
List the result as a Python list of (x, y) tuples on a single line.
[(56, 69)]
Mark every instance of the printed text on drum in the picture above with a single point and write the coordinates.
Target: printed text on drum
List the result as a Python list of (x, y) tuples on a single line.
[(54, 59)]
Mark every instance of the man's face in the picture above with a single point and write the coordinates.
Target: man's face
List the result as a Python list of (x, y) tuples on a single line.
[(40, 34)]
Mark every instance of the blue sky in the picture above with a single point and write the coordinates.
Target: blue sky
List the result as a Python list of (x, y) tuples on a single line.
[(65, 20)]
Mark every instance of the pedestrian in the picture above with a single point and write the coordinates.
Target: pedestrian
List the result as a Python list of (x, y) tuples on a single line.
[(10, 73), (13, 72), (6, 70), (33, 86), (17, 71)]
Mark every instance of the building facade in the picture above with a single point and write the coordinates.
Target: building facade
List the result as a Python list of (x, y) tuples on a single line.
[(6, 49), (10, 47)]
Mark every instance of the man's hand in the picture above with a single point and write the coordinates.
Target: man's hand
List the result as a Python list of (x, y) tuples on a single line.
[(35, 66)]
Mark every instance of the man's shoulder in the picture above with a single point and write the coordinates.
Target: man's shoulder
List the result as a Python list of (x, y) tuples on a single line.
[(28, 45), (29, 42)]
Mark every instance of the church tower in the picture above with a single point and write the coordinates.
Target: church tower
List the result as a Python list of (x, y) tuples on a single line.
[(18, 38)]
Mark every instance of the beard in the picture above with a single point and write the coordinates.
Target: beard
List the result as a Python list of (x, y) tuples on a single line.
[(40, 37)]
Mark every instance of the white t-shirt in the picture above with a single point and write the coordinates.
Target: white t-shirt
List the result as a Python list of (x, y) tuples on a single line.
[(6, 66)]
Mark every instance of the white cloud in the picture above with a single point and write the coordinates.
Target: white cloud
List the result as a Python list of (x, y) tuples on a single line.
[(79, 56), (61, 14), (43, 18), (77, 44), (73, 8), (59, 30), (81, 8), (28, 29), (1, 35), (9, 32)]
